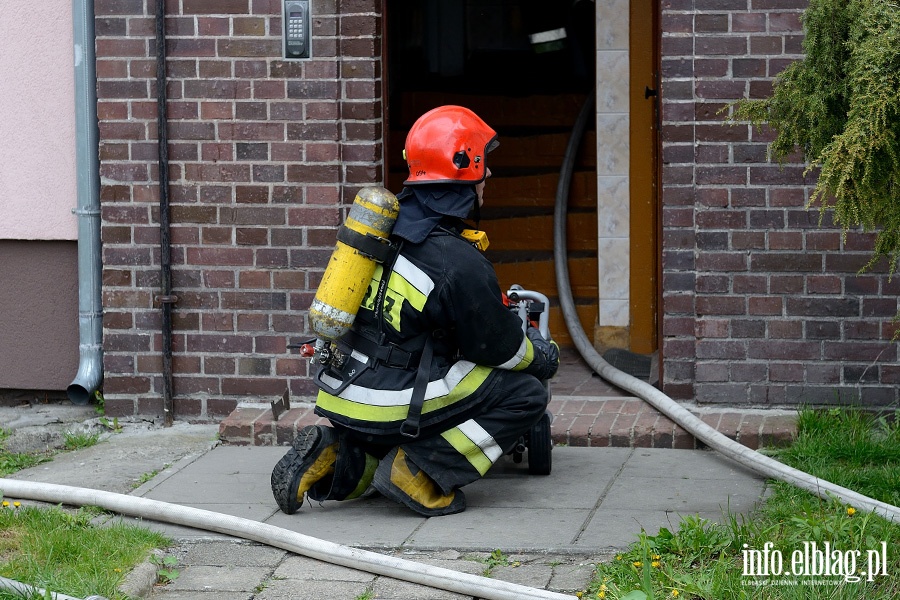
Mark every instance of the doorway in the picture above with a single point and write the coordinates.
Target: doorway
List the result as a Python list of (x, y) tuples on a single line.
[(526, 68)]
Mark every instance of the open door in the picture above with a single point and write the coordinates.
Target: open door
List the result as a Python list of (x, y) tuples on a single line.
[(643, 176), (526, 68)]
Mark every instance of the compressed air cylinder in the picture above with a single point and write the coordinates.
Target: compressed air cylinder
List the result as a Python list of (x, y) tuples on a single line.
[(349, 271)]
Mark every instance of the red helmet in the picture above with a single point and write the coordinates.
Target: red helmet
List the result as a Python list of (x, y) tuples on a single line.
[(448, 144)]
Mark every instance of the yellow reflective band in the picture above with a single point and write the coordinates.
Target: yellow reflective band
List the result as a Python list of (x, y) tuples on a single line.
[(415, 276), (519, 356), (480, 451), (408, 282), (384, 406), (366, 480), (529, 355), (393, 302)]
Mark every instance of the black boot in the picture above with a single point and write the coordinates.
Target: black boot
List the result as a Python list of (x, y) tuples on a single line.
[(312, 457)]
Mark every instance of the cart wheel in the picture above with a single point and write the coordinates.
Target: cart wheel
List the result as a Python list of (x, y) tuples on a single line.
[(540, 445)]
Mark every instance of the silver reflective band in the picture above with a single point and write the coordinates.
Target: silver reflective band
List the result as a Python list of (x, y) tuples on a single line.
[(518, 357), (435, 389), (482, 439), (548, 36)]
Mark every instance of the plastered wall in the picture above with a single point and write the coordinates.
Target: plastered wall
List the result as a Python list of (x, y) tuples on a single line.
[(37, 131)]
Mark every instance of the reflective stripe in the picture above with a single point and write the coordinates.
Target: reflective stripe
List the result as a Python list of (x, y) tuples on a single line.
[(407, 282), (415, 276), (384, 406), (356, 354), (472, 441), (548, 36), (522, 358)]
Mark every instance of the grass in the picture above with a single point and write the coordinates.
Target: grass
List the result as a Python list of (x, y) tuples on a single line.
[(73, 440), (495, 559), (67, 552), (10, 462), (707, 560)]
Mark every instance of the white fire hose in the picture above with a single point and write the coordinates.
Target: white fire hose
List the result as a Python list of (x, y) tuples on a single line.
[(338, 554)]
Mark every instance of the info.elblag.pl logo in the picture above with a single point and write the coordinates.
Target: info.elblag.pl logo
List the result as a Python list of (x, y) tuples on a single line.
[(819, 561)]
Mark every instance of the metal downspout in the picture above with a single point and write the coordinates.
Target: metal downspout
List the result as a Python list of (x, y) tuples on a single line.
[(166, 299), (87, 164)]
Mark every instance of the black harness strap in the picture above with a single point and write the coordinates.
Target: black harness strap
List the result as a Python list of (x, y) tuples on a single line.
[(410, 427), (377, 248), (402, 356)]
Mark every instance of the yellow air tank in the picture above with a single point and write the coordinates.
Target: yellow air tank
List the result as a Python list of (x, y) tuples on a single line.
[(352, 264)]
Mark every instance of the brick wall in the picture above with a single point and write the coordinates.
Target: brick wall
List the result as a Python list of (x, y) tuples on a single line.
[(761, 303), (264, 155)]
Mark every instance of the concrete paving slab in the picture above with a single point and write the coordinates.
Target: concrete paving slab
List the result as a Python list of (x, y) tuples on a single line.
[(241, 459), (510, 486), (537, 576), (392, 589), (164, 594), (488, 528), (366, 523), (213, 488), (312, 590), (121, 461), (227, 579), (305, 568), (683, 464), (612, 530), (238, 554), (709, 495)]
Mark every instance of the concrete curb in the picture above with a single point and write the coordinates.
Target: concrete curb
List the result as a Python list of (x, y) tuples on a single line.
[(139, 581)]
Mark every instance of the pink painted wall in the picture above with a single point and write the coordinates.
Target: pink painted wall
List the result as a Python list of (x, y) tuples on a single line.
[(37, 131)]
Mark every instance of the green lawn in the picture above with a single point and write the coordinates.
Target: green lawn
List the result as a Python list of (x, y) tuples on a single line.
[(67, 552)]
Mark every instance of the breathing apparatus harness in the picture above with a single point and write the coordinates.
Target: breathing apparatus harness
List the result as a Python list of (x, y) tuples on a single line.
[(365, 347)]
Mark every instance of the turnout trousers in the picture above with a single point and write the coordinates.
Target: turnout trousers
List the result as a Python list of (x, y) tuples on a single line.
[(425, 473)]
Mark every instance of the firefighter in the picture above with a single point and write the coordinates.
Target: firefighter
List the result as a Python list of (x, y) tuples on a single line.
[(450, 381)]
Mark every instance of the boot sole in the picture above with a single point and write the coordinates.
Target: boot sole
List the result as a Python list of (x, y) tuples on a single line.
[(304, 451)]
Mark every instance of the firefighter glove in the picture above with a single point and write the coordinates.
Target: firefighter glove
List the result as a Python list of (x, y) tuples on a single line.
[(546, 355)]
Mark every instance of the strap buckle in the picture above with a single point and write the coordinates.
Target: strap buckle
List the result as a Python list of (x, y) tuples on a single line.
[(410, 429)]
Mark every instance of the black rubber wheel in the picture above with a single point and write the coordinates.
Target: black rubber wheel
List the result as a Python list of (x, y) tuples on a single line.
[(540, 446)]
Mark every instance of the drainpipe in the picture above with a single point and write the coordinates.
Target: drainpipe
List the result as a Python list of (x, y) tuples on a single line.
[(87, 164), (166, 299)]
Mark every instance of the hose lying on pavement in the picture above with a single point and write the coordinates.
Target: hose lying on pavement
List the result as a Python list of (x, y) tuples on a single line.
[(739, 453), (27, 591), (372, 562)]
